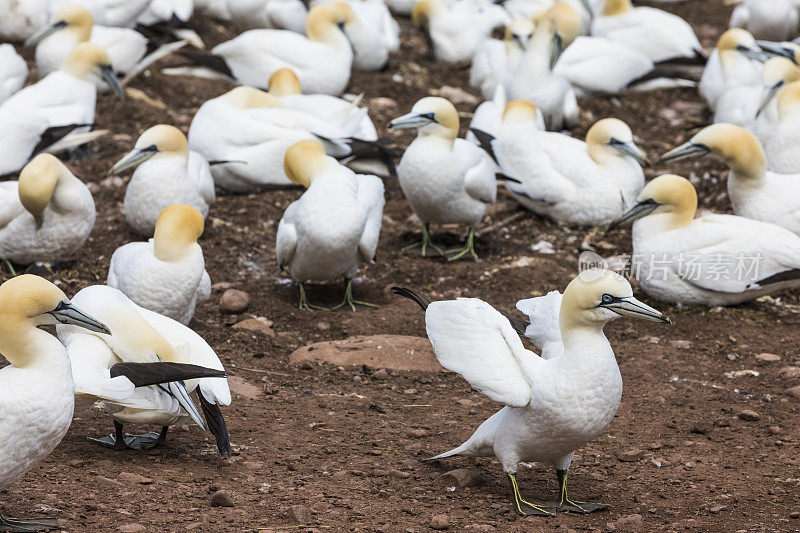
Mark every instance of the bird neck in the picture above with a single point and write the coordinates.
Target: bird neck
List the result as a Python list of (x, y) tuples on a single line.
[(602, 154), (615, 7), (539, 53), (26, 346)]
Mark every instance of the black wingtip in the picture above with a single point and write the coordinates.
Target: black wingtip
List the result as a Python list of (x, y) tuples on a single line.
[(204, 59), (145, 374), (485, 142), (413, 296), (216, 424)]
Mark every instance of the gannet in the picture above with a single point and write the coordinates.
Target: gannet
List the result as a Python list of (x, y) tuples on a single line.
[(455, 28), (488, 116), (494, 59), (736, 61), (111, 13), (322, 60), (709, 260), (258, 14), (167, 273), (783, 141), (554, 404), (659, 35), (165, 18), (333, 226), (533, 79), (46, 216), (401, 7), (167, 173), (446, 180), (13, 71), (571, 181), (770, 20), (36, 388), (755, 191), (139, 335), (531, 9)]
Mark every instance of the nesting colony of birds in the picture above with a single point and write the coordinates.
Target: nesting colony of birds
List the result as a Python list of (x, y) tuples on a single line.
[(398, 265)]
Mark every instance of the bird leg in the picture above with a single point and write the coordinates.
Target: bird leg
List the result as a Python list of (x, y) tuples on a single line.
[(304, 305), (348, 298), (469, 248), (120, 441), (17, 525), (424, 243), (522, 507), (565, 504)]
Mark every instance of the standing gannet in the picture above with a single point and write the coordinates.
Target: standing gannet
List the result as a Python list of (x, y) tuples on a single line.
[(709, 260), (167, 173), (13, 71), (553, 406), (494, 59), (736, 61), (138, 335), (333, 226), (571, 181), (533, 78), (446, 180), (659, 35), (768, 20), (755, 191), (455, 28), (36, 388), (166, 274), (46, 216), (322, 59)]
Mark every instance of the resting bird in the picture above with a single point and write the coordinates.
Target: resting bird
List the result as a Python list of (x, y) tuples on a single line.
[(36, 388), (46, 216), (709, 260), (167, 173), (137, 335), (446, 180), (734, 63), (13, 71), (554, 404), (333, 226), (167, 273), (755, 191), (769, 20)]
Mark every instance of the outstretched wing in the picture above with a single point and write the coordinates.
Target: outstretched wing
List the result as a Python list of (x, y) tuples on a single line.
[(472, 338), (544, 329)]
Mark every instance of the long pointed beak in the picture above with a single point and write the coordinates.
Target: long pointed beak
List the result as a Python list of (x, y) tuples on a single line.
[(777, 49), (685, 151), (133, 158), (768, 96), (632, 307), (47, 31), (630, 149), (179, 392), (409, 121), (110, 77), (752, 53), (639, 210), (66, 313)]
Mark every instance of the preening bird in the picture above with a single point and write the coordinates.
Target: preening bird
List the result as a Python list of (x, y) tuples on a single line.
[(167, 273), (554, 404), (446, 180), (167, 173), (709, 260), (333, 226)]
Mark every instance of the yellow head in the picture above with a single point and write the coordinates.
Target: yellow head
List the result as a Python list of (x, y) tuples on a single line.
[(71, 18), (177, 228), (284, 82), (160, 140), (432, 115), (735, 38), (789, 100), (615, 7), (780, 70), (327, 21), (520, 110), (86, 59), (424, 11), (518, 33), (669, 196), (566, 21), (37, 181), (304, 160), (612, 136), (245, 97)]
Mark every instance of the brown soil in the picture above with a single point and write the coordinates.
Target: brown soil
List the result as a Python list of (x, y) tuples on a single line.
[(341, 448)]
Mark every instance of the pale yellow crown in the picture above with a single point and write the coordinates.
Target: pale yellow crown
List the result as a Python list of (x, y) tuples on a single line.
[(585, 292), (245, 97), (284, 82), (324, 19), (615, 7), (606, 129), (444, 113), (777, 69), (789, 100), (566, 21), (735, 145), (675, 195), (520, 109), (177, 228), (735, 37), (84, 59), (78, 19), (165, 138)]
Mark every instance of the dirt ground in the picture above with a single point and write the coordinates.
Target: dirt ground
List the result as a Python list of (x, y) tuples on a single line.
[(319, 447)]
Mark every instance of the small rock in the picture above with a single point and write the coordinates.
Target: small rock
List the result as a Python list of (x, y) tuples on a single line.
[(681, 344), (466, 403), (461, 477), (749, 416), (440, 522), (630, 456), (382, 102), (242, 387), (774, 430), (323, 326), (221, 286), (717, 508), (300, 514), (768, 357), (795, 514), (794, 392), (131, 528), (701, 427), (631, 522), (134, 478), (399, 474), (259, 324), (233, 301), (458, 96), (221, 498), (722, 423), (732, 356), (381, 374), (790, 372), (418, 433)]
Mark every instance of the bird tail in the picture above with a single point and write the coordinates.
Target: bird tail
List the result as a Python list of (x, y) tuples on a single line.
[(413, 296), (159, 53), (70, 140), (204, 65), (450, 453)]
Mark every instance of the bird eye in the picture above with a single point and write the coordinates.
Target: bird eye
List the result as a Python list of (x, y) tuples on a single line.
[(429, 116), (607, 299)]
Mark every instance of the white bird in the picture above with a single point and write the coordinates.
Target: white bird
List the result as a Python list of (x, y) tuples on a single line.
[(109, 13), (333, 226), (455, 28), (659, 35), (46, 216), (554, 404), (571, 181), (495, 59), (36, 388), (488, 116), (322, 59), (769, 20), (137, 335), (167, 173), (783, 142), (401, 7), (446, 180), (532, 9), (735, 62), (533, 78), (258, 14), (165, 17), (166, 274), (13, 71), (755, 191), (709, 260)]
